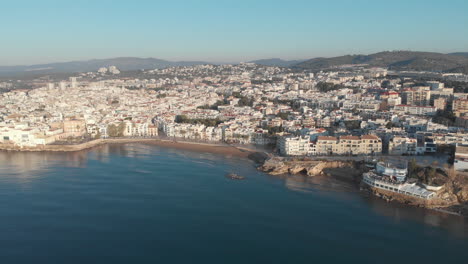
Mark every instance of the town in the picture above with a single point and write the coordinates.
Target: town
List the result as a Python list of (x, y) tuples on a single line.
[(350, 110)]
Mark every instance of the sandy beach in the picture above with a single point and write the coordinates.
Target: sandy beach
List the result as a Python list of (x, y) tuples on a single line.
[(220, 148), (203, 147)]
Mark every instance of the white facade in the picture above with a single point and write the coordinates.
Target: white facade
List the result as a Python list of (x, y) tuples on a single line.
[(294, 146)]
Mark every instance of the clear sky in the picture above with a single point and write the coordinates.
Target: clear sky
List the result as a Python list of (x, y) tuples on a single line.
[(41, 31)]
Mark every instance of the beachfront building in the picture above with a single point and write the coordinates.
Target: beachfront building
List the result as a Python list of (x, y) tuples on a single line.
[(403, 146), (348, 145), (140, 129), (74, 127), (396, 171), (294, 146), (383, 183)]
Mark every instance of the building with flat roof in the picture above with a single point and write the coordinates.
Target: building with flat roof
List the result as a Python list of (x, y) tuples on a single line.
[(461, 157), (348, 145)]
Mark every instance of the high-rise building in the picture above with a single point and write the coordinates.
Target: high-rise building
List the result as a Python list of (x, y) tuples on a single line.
[(460, 106), (440, 103), (62, 85), (435, 85), (73, 82), (419, 96)]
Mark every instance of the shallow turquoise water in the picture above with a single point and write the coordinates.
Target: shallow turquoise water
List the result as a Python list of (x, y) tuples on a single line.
[(145, 204)]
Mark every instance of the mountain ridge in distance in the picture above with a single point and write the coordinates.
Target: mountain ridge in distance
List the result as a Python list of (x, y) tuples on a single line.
[(395, 60), (464, 54), (277, 62), (123, 63)]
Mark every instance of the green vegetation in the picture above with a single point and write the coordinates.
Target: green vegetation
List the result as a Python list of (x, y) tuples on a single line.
[(390, 124), (244, 100), (116, 130), (274, 130), (458, 87), (215, 106), (207, 122), (326, 87), (283, 115), (412, 168), (395, 60), (444, 117), (352, 124)]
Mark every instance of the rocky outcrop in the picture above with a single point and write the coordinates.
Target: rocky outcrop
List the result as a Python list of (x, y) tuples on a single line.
[(451, 197), (277, 166), (319, 169)]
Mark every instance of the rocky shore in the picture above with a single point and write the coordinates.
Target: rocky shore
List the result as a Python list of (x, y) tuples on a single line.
[(452, 198), (278, 166)]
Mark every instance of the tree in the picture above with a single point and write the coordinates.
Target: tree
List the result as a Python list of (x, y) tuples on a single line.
[(181, 119), (116, 130), (444, 117), (274, 130), (283, 115), (326, 87), (207, 122), (412, 168)]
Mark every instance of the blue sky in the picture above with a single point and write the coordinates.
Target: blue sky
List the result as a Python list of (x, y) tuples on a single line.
[(225, 31)]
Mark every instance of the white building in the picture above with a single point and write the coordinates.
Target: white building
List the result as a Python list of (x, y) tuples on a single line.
[(293, 146), (461, 158), (403, 146)]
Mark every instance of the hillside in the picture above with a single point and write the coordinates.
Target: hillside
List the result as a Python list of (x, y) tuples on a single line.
[(277, 62), (123, 63), (464, 54), (394, 60)]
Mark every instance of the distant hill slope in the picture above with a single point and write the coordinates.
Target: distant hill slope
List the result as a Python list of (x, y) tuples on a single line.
[(395, 60), (277, 62), (464, 54), (123, 63)]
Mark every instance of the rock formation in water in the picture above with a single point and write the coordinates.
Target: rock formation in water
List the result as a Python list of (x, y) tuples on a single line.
[(277, 166)]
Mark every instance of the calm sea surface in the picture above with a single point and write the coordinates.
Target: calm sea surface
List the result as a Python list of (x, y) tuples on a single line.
[(145, 204)]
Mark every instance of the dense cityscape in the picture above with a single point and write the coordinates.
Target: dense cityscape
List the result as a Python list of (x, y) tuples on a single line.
[(353, 110), (234, 131)]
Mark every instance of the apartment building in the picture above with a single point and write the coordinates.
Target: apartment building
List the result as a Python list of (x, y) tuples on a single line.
[(419, 95), (403, 146), (293, 146), (415, 110), (460, 106), (348, 145)]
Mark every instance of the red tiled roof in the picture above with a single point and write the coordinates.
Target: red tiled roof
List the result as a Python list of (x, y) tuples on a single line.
[(326, 138), (350, 137), (369, 137)]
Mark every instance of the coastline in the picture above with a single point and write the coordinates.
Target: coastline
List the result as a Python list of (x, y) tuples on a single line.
[(216, 148), (346, 170), (352, 170)]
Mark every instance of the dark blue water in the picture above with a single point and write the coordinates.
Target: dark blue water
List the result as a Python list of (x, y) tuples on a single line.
[(144, 204)]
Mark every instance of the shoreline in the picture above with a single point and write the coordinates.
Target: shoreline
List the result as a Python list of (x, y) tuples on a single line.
[(316, 167), (216, 148), (352, 170)]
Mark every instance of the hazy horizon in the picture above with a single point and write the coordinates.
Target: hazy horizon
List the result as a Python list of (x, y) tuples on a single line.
[(224, 31), (215, 62)]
